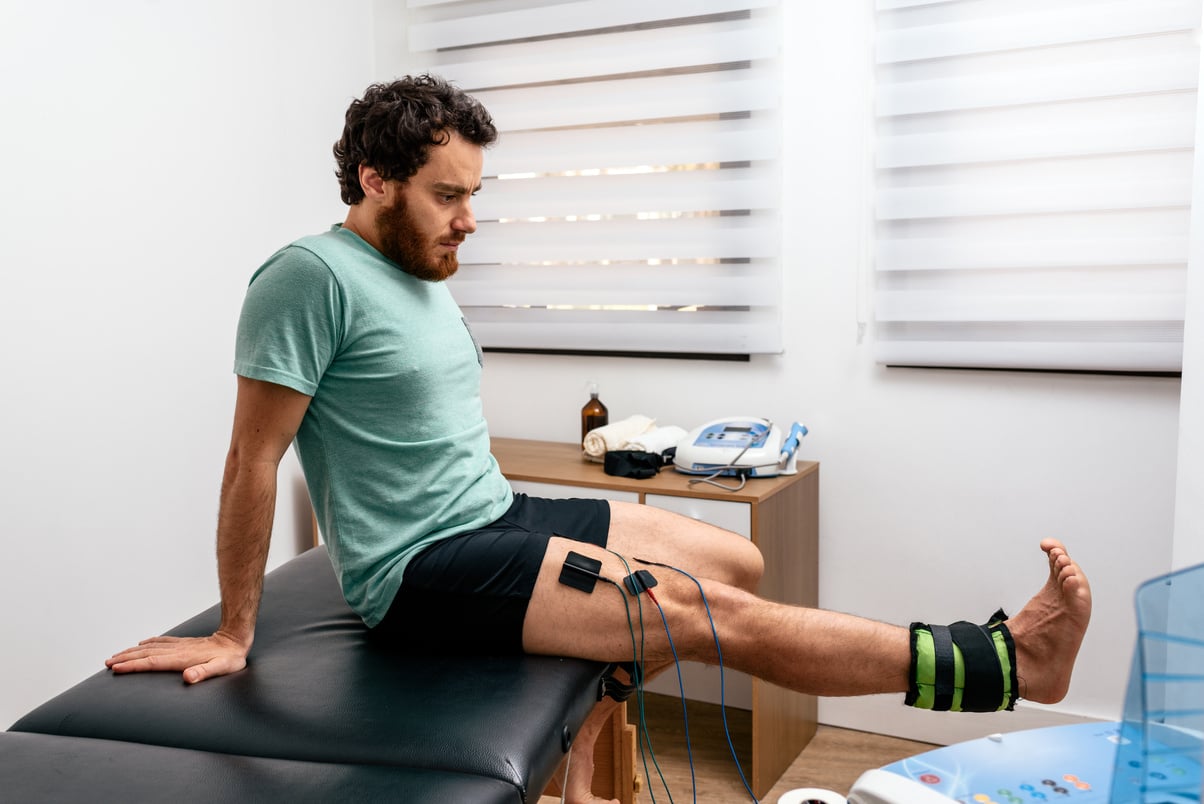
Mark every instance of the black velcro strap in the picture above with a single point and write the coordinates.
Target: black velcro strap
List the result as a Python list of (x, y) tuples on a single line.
[(997, 624), (617, 690), (983, 673), (631, 463), (913, 685), (943, 683)]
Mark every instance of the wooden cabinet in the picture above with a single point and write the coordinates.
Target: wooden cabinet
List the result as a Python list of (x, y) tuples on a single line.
[(779, 514)]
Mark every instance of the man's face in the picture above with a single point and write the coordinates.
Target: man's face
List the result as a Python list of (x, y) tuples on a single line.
[(429, 215)]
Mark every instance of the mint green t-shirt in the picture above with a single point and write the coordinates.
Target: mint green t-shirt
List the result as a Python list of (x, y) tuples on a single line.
[(394, 444)]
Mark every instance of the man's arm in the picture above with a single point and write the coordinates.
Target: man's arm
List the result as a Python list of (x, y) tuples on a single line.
[(266, 417)]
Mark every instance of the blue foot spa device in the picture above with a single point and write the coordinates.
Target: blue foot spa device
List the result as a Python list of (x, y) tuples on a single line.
[(1152, 756)]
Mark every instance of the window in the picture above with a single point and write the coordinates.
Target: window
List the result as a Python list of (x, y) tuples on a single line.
[(631, 202), (1034, 167)]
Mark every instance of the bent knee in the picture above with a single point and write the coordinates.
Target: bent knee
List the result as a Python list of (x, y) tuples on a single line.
[(696, 623), (747, 567)]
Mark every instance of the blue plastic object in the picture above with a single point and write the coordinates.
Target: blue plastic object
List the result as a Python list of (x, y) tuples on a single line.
[(1152, 756), (1162, 746), (797, 431)]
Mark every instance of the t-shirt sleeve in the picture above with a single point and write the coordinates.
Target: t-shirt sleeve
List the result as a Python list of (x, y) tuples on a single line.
[(291, 321)]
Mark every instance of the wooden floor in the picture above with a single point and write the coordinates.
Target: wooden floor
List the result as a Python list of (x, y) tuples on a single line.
[(833, 760)]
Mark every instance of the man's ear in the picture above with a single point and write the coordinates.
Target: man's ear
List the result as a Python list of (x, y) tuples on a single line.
[(372, 183)]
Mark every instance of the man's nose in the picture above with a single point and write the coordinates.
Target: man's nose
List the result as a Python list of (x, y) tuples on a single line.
[(465, 222)]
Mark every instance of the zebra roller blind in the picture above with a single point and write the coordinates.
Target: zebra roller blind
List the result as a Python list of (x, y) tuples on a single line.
[(631, 202)]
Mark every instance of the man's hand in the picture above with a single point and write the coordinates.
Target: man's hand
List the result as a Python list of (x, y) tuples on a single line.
[(266, 418), (198, 657)]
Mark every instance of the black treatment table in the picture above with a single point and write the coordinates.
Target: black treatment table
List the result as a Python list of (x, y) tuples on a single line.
[(321, 713)]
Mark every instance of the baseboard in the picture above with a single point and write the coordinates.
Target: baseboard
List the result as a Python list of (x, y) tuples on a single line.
[(886, 714)]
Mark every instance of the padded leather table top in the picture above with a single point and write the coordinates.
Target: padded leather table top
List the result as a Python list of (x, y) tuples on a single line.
[(318, 689), (80, 770)]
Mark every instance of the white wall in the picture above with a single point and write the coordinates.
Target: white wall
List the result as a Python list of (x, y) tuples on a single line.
[(1189, 503), (1189, 509), (153, 155), (936, 486)]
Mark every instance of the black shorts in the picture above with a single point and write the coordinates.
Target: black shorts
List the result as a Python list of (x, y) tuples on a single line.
[(469, 593)]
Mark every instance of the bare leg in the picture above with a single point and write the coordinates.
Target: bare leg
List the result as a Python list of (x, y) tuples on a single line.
[(716, 553), (809, 650), (832, 654), (577, 782)]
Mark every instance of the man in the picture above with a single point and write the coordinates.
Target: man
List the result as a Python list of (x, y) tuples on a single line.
[(350, 344)]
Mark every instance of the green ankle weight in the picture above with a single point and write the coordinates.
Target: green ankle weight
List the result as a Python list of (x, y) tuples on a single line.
[(963, 667)]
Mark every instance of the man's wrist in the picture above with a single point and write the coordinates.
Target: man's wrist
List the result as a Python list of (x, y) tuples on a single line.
[(242, 637)]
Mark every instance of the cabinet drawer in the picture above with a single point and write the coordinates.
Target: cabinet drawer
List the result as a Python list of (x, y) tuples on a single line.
[(554, 491), (733, 516)]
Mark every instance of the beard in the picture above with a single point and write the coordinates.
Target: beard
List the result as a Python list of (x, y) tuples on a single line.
[(402, 241)]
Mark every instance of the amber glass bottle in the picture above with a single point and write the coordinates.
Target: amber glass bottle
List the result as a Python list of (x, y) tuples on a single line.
[(594, 414)]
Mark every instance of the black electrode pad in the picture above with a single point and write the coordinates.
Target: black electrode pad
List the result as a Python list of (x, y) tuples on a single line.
[(639, 581), (580, 572)]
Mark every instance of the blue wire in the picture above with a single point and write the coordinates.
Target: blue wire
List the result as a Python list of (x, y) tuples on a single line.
[(643, 734), (685, 717), (719, 652), (638, 680)]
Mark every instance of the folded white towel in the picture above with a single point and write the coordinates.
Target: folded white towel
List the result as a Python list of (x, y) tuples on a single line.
[(603, 439), (658, 439)]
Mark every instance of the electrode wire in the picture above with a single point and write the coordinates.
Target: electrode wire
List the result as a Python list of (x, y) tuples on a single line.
[(685, 716), (642, 734), (722, 685)]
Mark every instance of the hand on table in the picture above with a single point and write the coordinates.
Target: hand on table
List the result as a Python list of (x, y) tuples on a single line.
[(198, 658)]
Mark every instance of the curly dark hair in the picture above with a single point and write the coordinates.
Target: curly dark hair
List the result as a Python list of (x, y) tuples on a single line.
[(393, 127)]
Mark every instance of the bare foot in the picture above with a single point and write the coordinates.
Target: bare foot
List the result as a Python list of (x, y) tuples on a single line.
[(576, 787), (1049, 629), (574, 780)]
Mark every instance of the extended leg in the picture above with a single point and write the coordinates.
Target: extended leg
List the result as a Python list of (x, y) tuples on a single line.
[(793, 647), (809, 650)]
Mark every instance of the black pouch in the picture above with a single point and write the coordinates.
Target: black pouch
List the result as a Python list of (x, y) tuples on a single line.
[(631, 463)]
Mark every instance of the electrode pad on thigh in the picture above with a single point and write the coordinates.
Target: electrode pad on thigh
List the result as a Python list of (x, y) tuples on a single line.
[(963, 667)]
